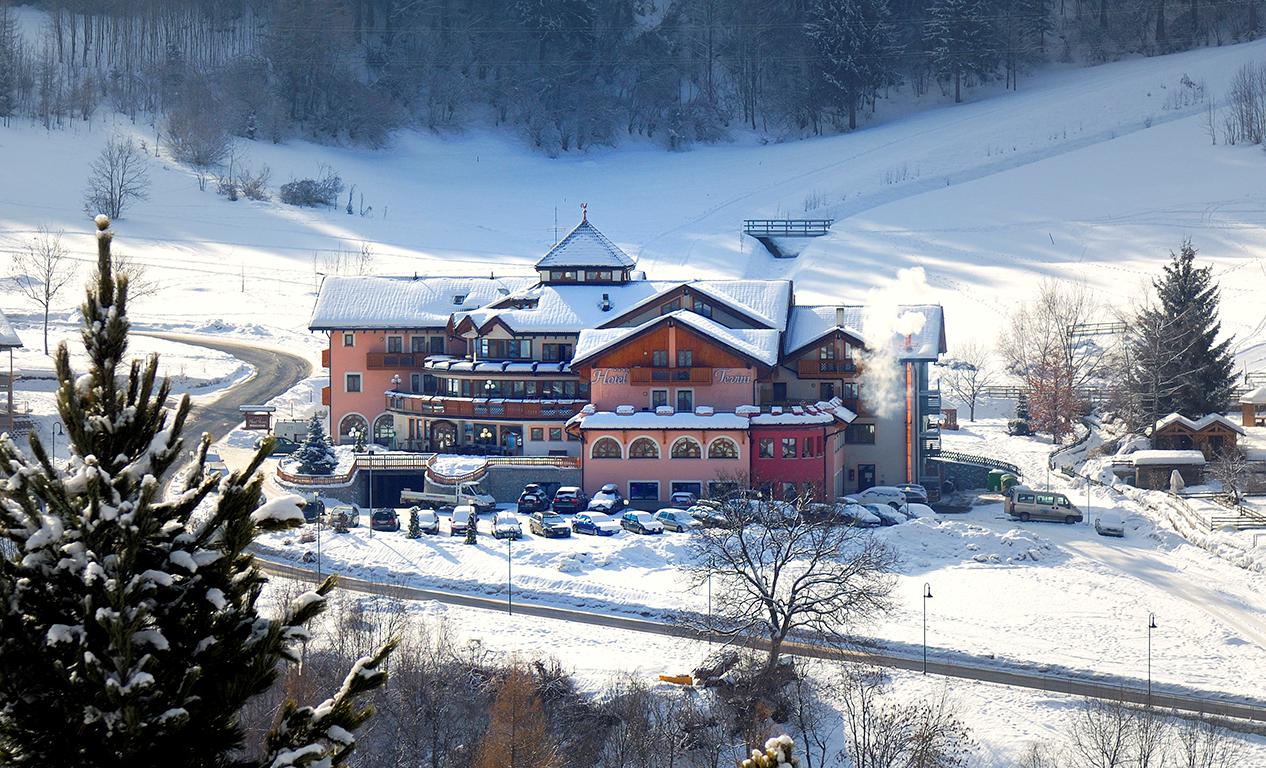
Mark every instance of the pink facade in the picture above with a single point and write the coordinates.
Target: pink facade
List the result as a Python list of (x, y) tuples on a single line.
[(349, 367), (703, 457)]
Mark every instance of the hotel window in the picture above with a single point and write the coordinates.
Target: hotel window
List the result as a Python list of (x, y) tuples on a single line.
[(723, 448), (563, 276), (598, 276), (644, 491), (415, 383), (703, 308), (685, 400), (395, 344), (606, 448), (806, 447), (555, 434), (556, 353), (659, 397), (789, 447), (417, 344), (849, 390), (538, 434), (352, 382), (671, 306), (685, 358), (437, 345), (659, 358), (827, 352), (644, 448), (505, 349), (686, 448), (349, 339), (766, 448), (860, 434)]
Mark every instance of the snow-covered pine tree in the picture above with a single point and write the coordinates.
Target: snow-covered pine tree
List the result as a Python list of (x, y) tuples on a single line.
[(1177, 362), (856, 43), (415, 525), (129, 633), (472, 527), (959, 36), (315, 456)]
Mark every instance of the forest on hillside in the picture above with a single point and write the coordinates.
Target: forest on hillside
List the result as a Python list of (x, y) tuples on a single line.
[(565, 74)]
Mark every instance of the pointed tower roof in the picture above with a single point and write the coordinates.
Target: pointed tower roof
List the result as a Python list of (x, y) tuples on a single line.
[(585, 246)]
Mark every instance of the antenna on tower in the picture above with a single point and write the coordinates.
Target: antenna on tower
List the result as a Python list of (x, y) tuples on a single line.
[(584, 212)]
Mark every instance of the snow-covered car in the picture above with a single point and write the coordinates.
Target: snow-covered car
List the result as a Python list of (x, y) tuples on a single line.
[(1109, 523), (343, 514), (595, 524), (882, 494), (641, 522), (608, 499), (709, 515), (682, 499), (678, 520), (533, 499), (460, 519), (914, 511), (914, 492), (506, 526), (384, 519), (549, 525), (569, 498), (428, 521), (844, 513), (886, 514), (214, 466)]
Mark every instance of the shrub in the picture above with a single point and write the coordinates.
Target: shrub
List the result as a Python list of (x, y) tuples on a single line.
[(313, 192)]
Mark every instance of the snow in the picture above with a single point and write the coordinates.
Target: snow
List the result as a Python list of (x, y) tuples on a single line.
[(369, 302), (1200, 423), (649, 420), (1255, 397), (284, 509), (585, 246), (8, 337), (451, 465), (1153, 457)]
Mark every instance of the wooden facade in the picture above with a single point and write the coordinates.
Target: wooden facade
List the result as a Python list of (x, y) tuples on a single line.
[(1213, 439)]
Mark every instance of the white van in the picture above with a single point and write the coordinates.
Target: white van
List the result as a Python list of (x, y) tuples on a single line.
[(1027, 504)]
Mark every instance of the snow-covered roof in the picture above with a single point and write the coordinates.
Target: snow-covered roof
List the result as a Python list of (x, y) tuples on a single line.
[(766, 301), (1199, 424), (585, 246), (564, 309), (760, 344), (1165, 458), (8, 337), (371, 302), (809, 323), (1254, 397), (819, 413)]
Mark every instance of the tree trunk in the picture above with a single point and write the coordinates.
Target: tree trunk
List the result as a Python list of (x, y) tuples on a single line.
[(852, 112), (775, 652), (46, 328), (1103, 14), (1160, 22), (958, 88)]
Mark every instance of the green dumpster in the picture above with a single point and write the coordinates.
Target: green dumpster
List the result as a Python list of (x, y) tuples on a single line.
[(1007, 482), (995, 480)]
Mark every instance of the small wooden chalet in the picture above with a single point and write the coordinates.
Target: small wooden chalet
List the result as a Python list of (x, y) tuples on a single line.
[(1212, 434), (1253, 408)]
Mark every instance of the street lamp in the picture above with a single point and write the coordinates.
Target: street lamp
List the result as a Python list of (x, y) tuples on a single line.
[(57, 430), (509, 584), (318, 534), (927, 595), (395, 382), (1151, 624), (709, 606)]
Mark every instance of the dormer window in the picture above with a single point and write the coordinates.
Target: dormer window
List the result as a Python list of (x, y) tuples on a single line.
[(703, 308), (563, 276), (671, 306), (459, 299)]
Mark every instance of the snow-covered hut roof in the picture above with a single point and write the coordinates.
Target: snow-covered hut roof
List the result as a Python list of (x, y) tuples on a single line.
[(8, 337), (1254, 397), (585, 246), (810, 323), (1151, 458), (1197, 425), (371, 302), (760, 344)]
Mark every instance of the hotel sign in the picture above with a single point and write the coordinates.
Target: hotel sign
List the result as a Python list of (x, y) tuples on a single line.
[(729, 376), (610, 376)]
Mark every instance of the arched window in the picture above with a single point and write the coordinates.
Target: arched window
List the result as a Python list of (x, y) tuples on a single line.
[(352, 422), (723, 448), (686, 448), (385, 430), (606, 448), (643, 448)]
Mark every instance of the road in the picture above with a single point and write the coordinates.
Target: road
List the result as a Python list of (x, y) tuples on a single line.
[(1121, 689), (275, 372)]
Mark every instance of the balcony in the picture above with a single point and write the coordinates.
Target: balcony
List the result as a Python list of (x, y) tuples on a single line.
[(930, 400), (325, 358), (480, 408), (648, 375), (325, 395), (828, 369)]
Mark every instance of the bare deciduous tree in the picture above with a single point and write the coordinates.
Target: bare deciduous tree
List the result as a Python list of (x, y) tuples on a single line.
[(1232, 470), (887, 733), (116, 178), (197, 134), (774, 573), (966, 375), (1099, 736), (1203, 743), (139, 283), (41, 271)]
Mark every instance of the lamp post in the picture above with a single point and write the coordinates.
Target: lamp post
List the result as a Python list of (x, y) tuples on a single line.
[(927, 595), (709, 607), (1151, 624), (57, 430), (509, 566), (318, 534)]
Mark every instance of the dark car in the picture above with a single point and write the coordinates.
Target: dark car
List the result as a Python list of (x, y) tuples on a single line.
[(312, 510), (549, 525), (608, 499), (384, 519), (533, 499), (281, 445), (571, 499), (641, 522)]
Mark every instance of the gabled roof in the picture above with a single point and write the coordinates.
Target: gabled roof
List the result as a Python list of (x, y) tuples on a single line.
[(1151, 458), (563, 309), (809, 324), (1197, 425), (759, 344), (585, 246), (370, 302), (8, 337), (1254, 397), (766, 302)]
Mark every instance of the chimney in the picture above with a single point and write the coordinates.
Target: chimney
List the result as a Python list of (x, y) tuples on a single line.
[(606, 302), (839, 316), (909, 341)]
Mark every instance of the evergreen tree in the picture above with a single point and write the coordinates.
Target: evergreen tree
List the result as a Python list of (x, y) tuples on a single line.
[(1176, 362), (415, 525), (129, 633), (960, 39), (472, 526), (1019, 424), (316, 456), (855, 41)]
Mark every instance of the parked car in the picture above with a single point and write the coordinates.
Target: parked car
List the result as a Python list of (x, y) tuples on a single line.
[(608, 499), (569, 498), (882, 494), (214, 466), (1027, 504), (460, 521), (549, 525), (914, 492), (428, 521), (887, 515), (281, 445), (844, 513), (313, 510), (343, 514), (678, 520), (506, 526), (1109, 523), (384, 519), (709, 515), (533, 499), (595, 524), (682, 499), (641, 522)]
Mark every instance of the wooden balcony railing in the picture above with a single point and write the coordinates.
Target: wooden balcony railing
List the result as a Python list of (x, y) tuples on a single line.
[(698, 376), (831, 369), (484, 409)]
